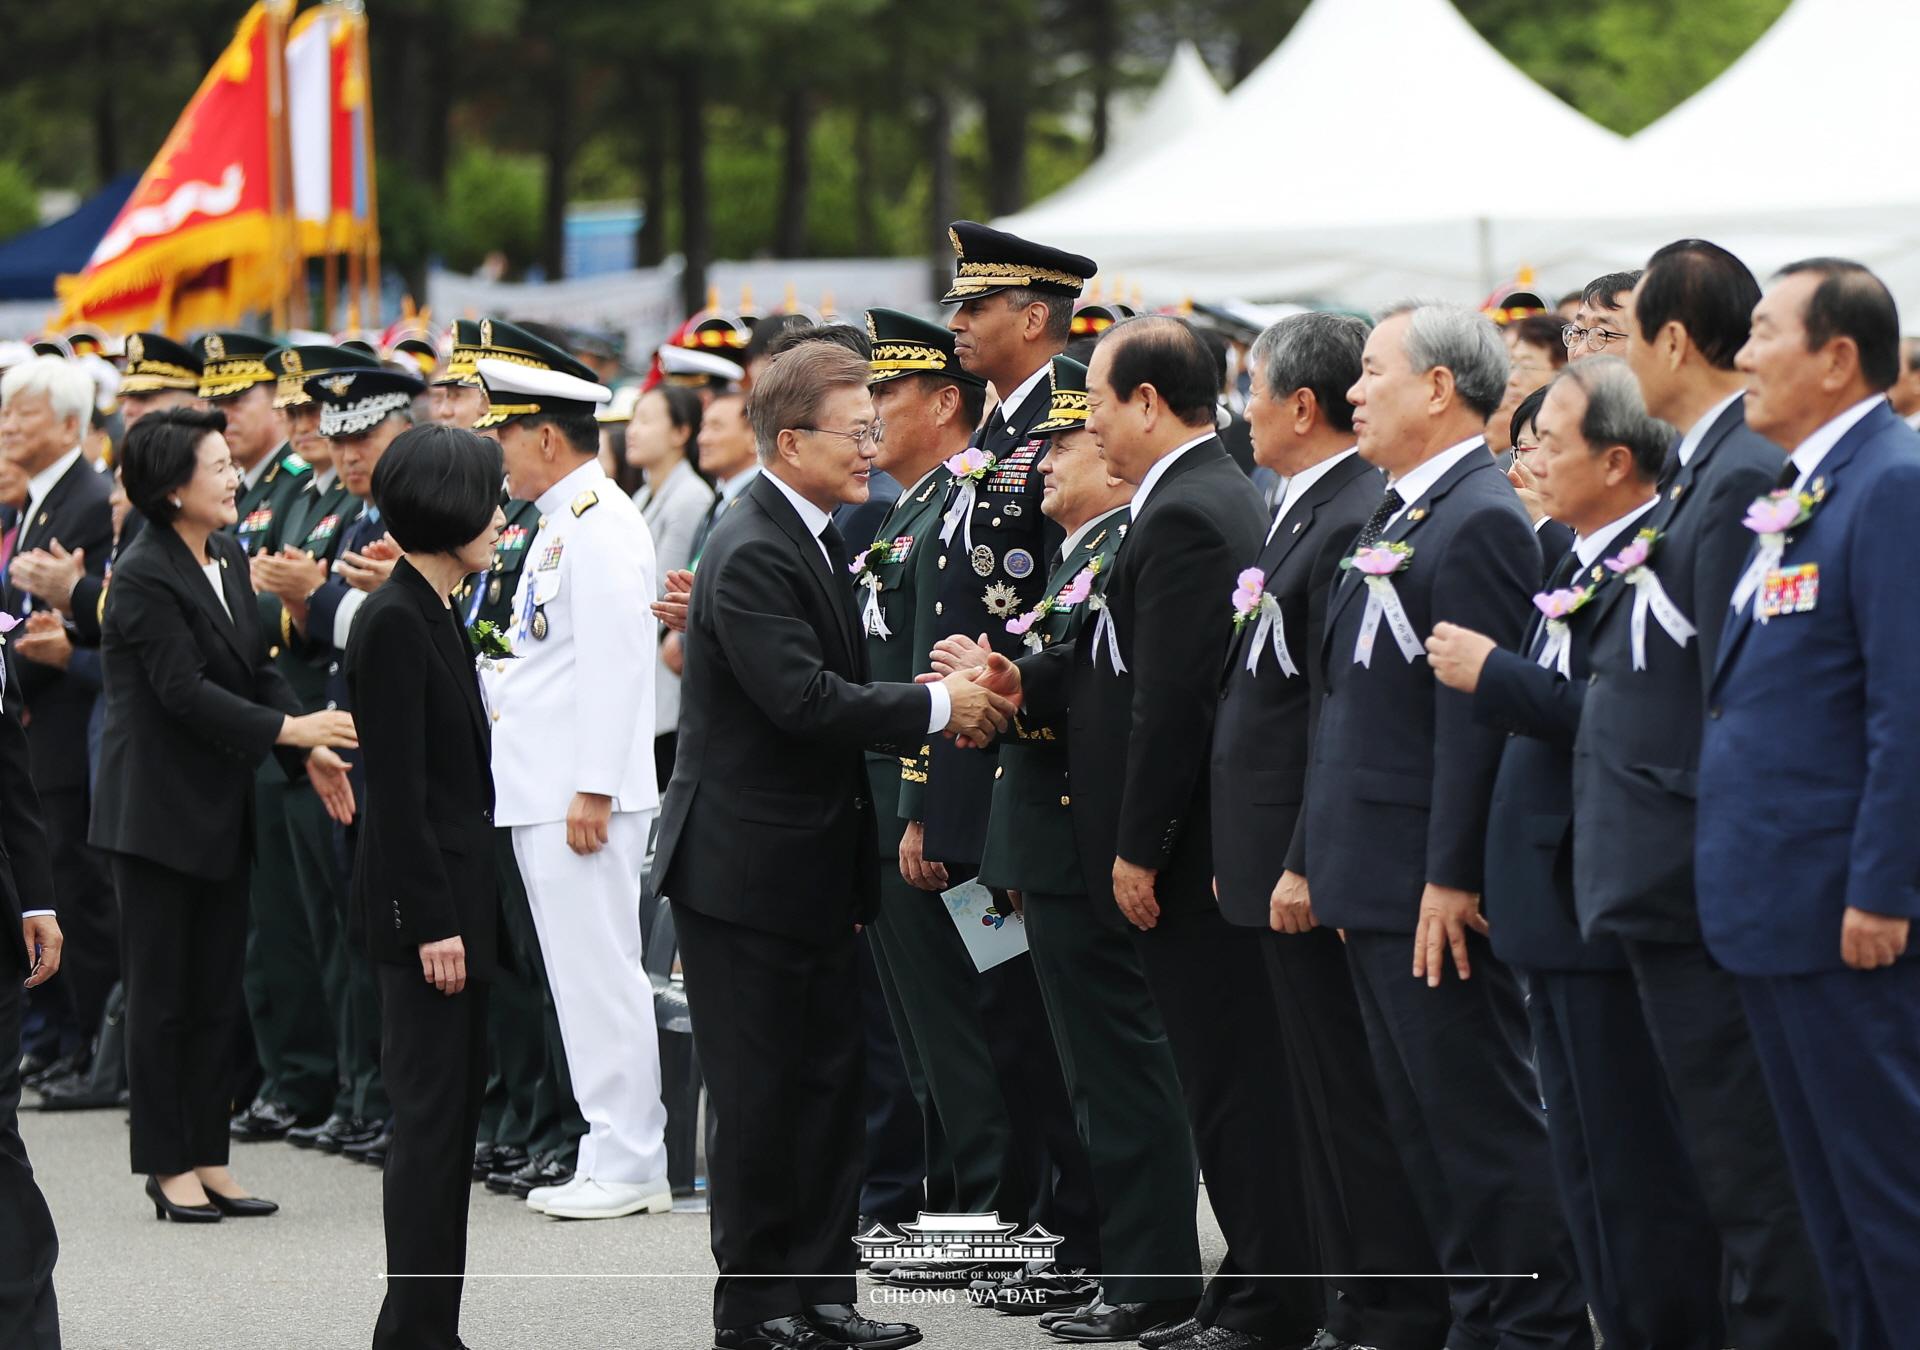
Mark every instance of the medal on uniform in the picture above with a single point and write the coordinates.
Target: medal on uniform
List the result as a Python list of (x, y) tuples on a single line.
[(1000, 599), (1789, 590), (493, 591), (539, 625), (982, 560), (1019, 564)]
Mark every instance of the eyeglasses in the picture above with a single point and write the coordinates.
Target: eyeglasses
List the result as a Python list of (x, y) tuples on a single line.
[(1520, 449), (1593, 339), (872, 435)]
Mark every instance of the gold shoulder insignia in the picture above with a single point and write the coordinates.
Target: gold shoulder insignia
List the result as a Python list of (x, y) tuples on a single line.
[(585, 502)]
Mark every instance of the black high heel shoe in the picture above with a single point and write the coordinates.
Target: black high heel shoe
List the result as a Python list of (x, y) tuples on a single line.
[(164, 1208), (242, 1206)]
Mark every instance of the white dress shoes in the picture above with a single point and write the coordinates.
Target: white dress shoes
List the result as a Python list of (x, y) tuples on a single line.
[(586, 1198)]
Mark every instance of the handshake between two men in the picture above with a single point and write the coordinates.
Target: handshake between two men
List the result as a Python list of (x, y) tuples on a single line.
[(982, 686)]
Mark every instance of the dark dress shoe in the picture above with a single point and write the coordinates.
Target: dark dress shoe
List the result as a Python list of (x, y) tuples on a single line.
[(1224, 1338), (505, 1158), (534, 1175), (46, 1070), (164, 1208), (1092, 1301), (486, 1161), (242, 1206), (348, 1133), (77, 1092), (1053, 1292), (1161, 1337), (783, 1333), (262, 1121), (843, 1325), (309, 1136), (1121, 1321), (372, 1150)]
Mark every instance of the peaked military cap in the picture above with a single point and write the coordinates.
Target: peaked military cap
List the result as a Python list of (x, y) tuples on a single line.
[(1066, 397), (905, 345), (992, 260), (155, 362), (232, 363), (294, 366), (721, 334), (698, 369), (619, 410), (51, 347), (1093, 320), (416, 349), (358, 392)]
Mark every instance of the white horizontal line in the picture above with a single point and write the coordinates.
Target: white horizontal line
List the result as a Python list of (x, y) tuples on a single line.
[(709, 1275)]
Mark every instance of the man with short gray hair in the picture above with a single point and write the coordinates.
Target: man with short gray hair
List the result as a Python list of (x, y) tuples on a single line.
[(1396, 822)]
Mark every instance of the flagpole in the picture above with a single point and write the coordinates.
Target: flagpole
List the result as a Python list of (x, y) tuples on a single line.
[(279, 180), (372, 239)]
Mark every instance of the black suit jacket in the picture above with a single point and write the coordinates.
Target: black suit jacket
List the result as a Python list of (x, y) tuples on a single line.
[(1263, 736), (1555, 539), (1402, 773), (1637, 757), (425, 865), (57, 703), (26, 870), (766, 822), (1528, 899), (1138, 740), (193, 705)]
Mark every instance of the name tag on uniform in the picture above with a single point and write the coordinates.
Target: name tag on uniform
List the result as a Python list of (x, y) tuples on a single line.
[(1789, 590)]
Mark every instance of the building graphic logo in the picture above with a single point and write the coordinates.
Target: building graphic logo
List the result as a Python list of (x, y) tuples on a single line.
[(956, 1237)]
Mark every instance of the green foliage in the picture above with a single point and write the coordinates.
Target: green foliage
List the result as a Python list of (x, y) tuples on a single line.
[(409, 217), (493, 203), (19, 203)]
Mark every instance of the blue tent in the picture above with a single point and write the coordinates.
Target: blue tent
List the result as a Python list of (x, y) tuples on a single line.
[(29, 262)]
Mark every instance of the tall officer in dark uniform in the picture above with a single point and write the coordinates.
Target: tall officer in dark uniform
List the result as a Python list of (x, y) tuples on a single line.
[(1397, 800), (1636, 761), (1112, 1043), (291, 1034), (1014, 311), (1302, 427), (1648, 1253), (531, 1130)]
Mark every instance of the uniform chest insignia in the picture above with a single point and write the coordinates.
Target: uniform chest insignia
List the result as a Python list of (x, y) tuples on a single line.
[(1093, 544), (1019, 564), (982, 560), (550, 559), (257, 520), (511, 538), (585, 502), (1000, 599), (326, 527), (539, 625), (493, 591), (902, 546), (1123, 531), (1015, 509)]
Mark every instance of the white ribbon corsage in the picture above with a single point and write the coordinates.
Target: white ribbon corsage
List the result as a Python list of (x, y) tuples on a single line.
[(1252, 604), (968, 468), (1376, 566), (1630, 565), (1771, 517)]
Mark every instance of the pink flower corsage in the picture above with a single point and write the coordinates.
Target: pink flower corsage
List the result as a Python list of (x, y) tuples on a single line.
[(1382, 560), (971, 464)]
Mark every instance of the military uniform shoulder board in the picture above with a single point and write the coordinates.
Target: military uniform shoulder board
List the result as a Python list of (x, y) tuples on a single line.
[(295, 463), (585, 502)]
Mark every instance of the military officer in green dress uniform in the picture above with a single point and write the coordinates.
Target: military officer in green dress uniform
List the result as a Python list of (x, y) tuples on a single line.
[(296, 555), (1120, 1070), (281, 978), (530, 1125)]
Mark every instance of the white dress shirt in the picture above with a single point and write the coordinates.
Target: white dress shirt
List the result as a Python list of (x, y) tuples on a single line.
[(1808, 454), (1698, 431), (817, 521), (1590, 548), (1021, 390), (1298, 484), (1160, 467), (1414, 483), (42, 483)]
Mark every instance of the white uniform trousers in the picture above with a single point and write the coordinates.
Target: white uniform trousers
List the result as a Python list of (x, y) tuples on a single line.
[(586, 910)]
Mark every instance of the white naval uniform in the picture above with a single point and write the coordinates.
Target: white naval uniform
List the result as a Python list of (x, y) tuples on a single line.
[(573, 712)]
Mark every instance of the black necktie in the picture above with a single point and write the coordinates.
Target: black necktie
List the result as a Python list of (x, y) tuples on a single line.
[(838, 565), (1377, 522), (836, 548), (1563, 575), (1671, 466), (1789, 474)]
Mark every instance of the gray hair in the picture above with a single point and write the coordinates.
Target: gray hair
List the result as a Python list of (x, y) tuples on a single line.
[(1464, 342), (68, 388), (1617, 413), (1318, 352)]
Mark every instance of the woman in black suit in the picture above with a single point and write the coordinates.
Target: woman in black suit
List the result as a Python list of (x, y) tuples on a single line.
[(193, 705), (423, 883)]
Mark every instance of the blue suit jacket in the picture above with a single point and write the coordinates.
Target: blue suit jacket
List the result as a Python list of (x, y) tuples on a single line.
[(1810, 765)]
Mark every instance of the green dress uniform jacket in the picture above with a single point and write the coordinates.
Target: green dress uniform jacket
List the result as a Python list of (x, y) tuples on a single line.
[(493, 599), (1030, 844), (269, 498), (314, 522), (905, 576)]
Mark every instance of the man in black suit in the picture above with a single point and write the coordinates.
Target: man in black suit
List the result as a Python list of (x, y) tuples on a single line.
[(767, 852), (46, 405), (1635, 773), (29, 1314), (1139, 691), (1649, 1256), (1270, 700), (1396, 820)]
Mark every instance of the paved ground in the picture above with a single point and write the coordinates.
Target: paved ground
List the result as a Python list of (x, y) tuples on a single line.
[(309, 1277)]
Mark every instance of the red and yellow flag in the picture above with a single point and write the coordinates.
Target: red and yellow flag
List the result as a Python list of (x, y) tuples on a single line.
[(204, 238)]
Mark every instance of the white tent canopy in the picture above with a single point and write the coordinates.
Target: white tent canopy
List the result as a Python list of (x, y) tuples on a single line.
[(1382, 149), (1185, 97)]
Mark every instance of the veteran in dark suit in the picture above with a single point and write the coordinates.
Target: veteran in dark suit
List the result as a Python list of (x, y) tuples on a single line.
[(1635, 778), (1396, 818), (192, 704), (1138, 691), (1112, 1042), (1649, 1256), (767, 853), (1810, 767), (424, 898), (1270, 698)]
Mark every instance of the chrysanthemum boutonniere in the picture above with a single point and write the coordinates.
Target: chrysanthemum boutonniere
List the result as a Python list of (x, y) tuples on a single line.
[(1634, 565)]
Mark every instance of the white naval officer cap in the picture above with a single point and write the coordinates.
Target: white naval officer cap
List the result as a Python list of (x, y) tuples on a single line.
[(515, 390), (683, 365)]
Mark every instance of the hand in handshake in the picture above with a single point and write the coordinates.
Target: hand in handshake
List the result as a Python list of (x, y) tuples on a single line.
[(985, 693)]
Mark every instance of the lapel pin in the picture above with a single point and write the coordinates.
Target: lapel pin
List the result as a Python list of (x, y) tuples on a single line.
[(1418, 514), (1598, 571), (43, 518), (1678, 488)]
